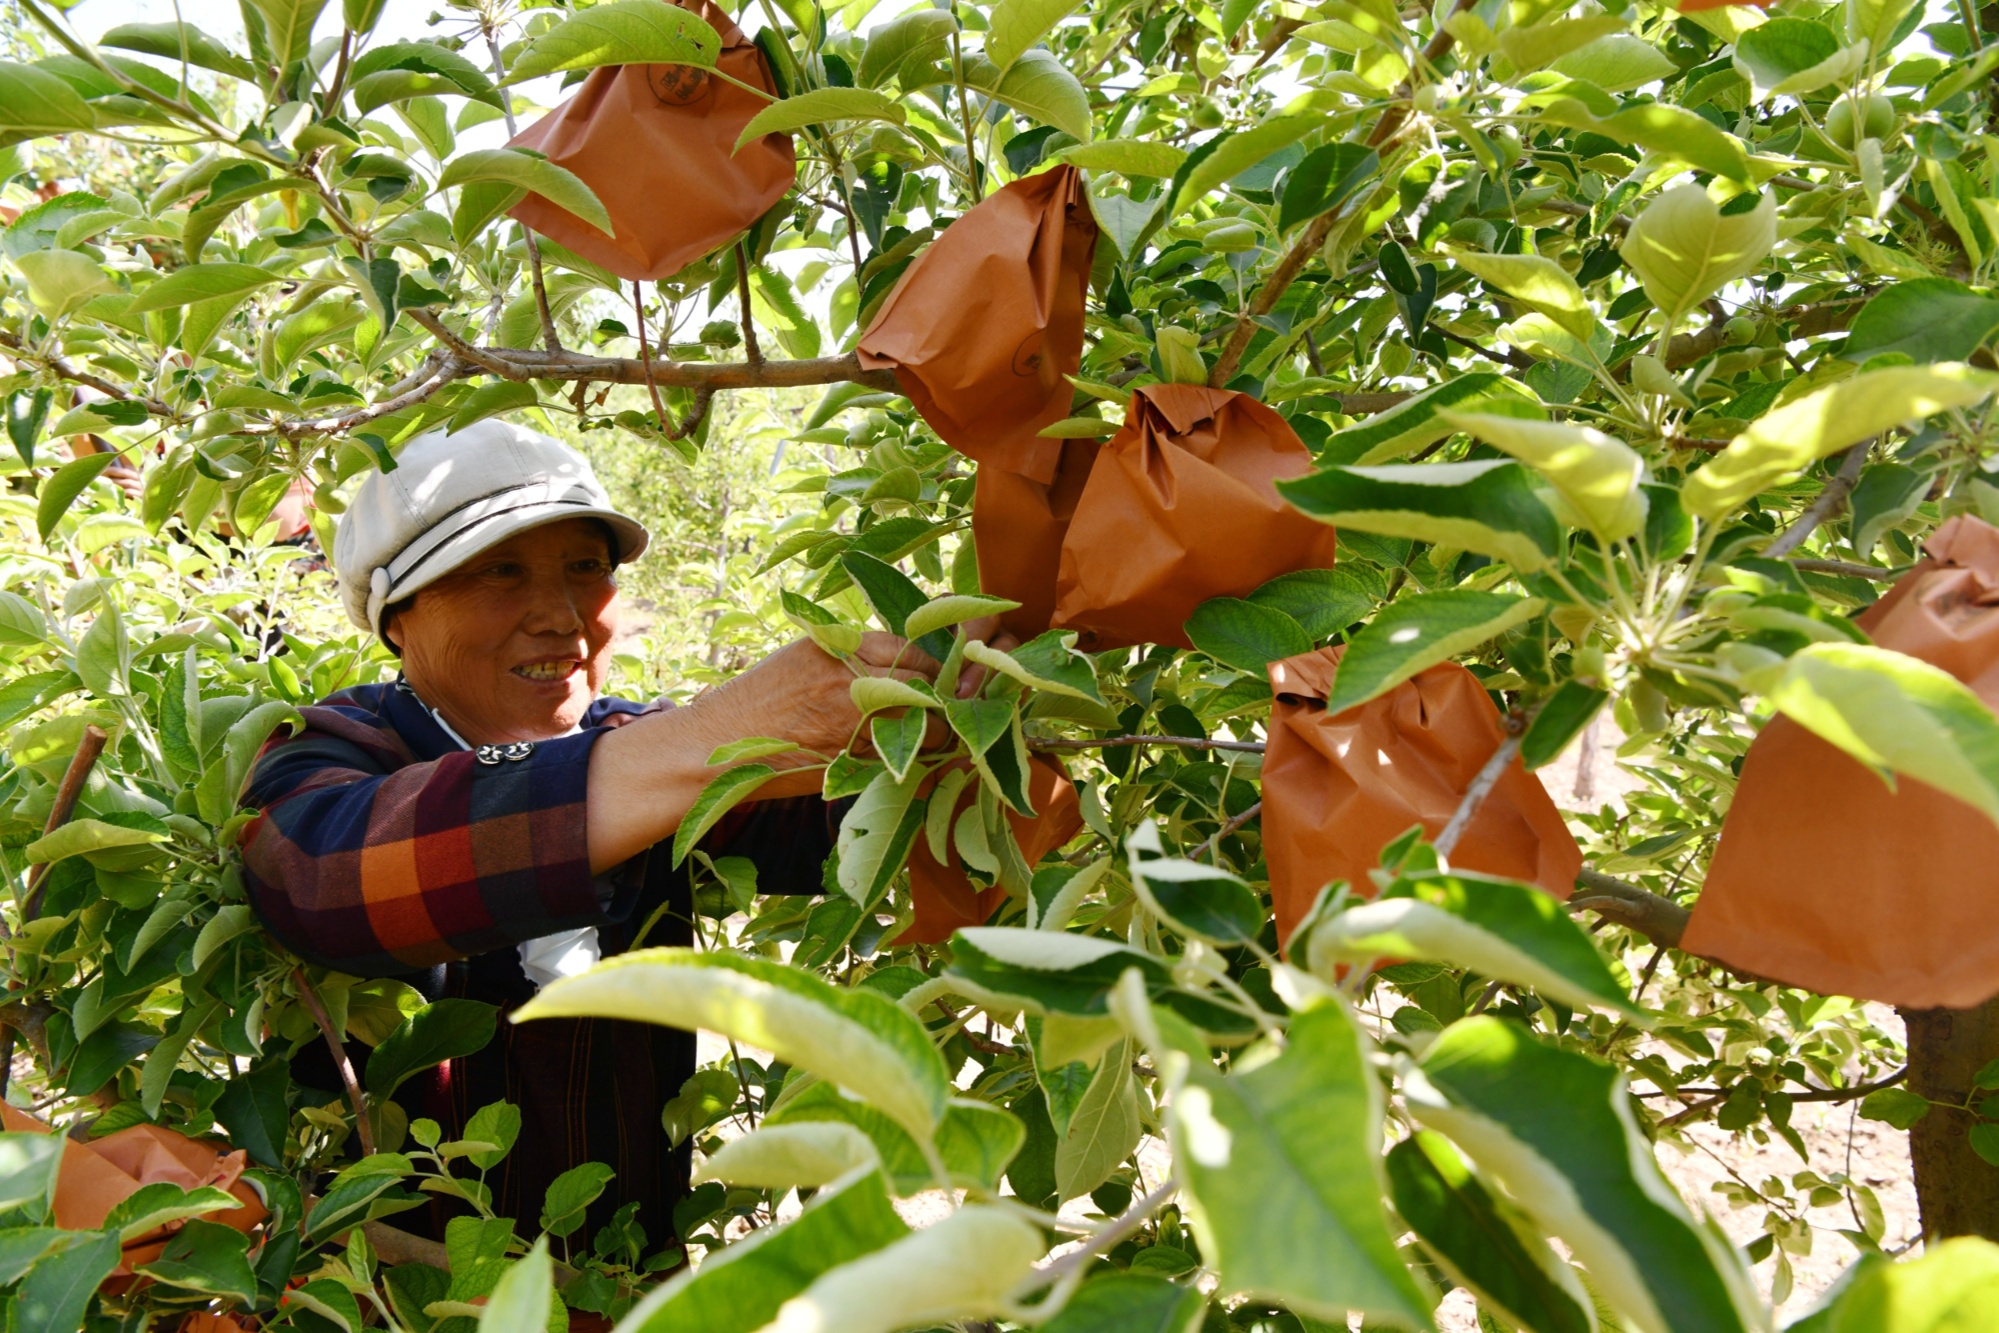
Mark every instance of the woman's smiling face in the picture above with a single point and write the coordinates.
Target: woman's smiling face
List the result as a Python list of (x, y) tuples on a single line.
[(515, 643)]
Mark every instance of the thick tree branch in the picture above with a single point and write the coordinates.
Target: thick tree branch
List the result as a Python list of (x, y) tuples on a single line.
[(64, 369)]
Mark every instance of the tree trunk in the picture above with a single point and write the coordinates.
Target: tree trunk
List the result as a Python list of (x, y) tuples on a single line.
[(1957, 1189)]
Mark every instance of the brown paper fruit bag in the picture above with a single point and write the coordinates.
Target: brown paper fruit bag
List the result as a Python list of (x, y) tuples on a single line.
[(1018, 525), (657, 145), (945, 896), (986, 325), (96, 1175), (1828, 880), (1181, 506), (1336, 790)]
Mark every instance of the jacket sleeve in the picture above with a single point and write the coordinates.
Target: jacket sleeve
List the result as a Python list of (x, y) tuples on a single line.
[(373, 867)]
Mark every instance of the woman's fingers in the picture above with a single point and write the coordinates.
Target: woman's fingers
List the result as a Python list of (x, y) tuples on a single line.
[(887, 650)]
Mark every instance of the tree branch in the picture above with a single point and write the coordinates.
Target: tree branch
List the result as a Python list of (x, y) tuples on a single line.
[(310, 997), (64, 369), (1481, 787), (1846, 567), (1119, 742), (1659, 919), (1828, 503)]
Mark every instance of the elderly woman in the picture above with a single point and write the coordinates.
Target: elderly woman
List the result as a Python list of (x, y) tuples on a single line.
[(488, 822)]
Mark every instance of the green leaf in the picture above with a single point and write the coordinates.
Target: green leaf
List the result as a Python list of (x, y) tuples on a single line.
[(86, 835), (805, 1154), (741, 1287), (1823, 422), (56, 1293), (201, 282), (1049, 662), (492, 400), (252, 1108), (1684, 249), (1130, 1303), (1103, 1128), (515, 169), (1665, 129), (1127, 157), (1954, 1285), (28, 1164), (719, 797), (877, 833), (1884, 497), (914, 40), (440, 1031), (976, 1140), (1616, 62), (1896, 713), (1539, 284), (1596, 475), (899, 740), (1537, 45), (1587, 1176), (499, 1124), (1513, 1271), (1894, 1106), (570, 1193), (1561, 719), (964, 1267), (1488, 507), (1041, 87), (179, 41), (622, 32), (100, 1056), (427, 67), (1322, 601), (858, 1039), (1045, 971), (1232, 154), (1281, 1168), (1418, 422), (206, 1257), (1791, 55), (1245, 635), (286, 26), (60, 281), (1418, 632), (818, 107), (1496, 927), (153, 1206), (953, 609), (1016, 25), (1203, 901), (1929, 319), (521, 1299), (894, 598), (35, 103), (1079, 428), (21, 1248), (1327, 177)]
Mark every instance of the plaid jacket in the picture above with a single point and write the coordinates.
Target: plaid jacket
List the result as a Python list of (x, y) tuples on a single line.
[(383, 848)]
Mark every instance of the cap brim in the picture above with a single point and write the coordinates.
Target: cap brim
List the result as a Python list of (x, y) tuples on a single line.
[(486, 533)]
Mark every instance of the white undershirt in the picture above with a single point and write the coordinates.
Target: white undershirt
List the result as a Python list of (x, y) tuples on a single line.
[(566, 953)]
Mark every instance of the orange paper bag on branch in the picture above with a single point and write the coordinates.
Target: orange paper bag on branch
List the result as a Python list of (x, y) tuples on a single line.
[(1180, 506), (657, 145), (985, 327), (1828, 879), (943, 893), (1018, 525), (96, 1175), (1337, 789)]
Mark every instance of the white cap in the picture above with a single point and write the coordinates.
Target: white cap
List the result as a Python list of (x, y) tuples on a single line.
[(452, 496)]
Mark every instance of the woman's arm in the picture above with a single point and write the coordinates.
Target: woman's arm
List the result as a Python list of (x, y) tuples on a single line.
[(645, 776)]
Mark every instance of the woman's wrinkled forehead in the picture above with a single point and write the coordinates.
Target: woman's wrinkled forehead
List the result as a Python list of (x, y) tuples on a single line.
[(569, 536)]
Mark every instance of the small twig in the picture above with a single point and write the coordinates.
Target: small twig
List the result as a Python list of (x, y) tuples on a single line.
[(1854, 1093), (64, 369), (1481, 787), (1848, 568), (1107, 1238), (752, 354), (355, 1098), (1118, 742), (1509, 357), (67, 792), (645, 353), (743, 1082), (548, 335), (1230, 827), (1829, 502)]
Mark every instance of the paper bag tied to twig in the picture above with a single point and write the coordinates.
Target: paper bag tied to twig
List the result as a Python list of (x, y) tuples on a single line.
[(1828, 880), (945, 896), (1180, 506), (1337, 789), (657, 145), (96, 1175), (985, 327)]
